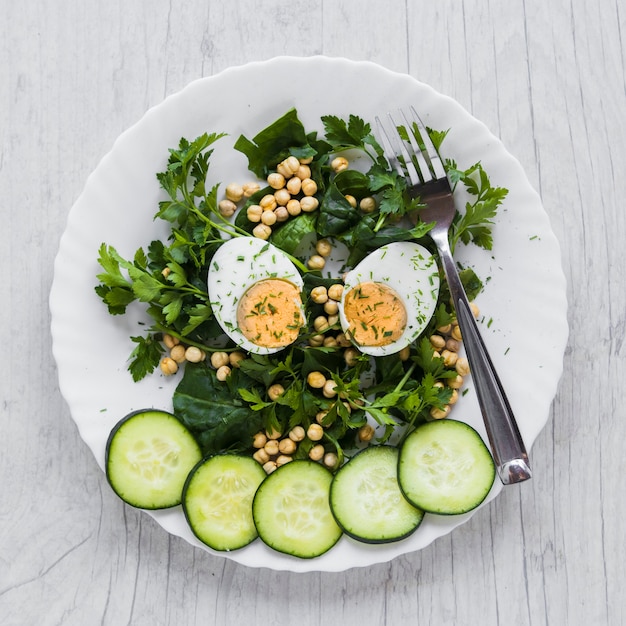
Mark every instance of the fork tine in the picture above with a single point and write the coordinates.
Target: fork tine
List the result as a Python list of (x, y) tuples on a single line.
[(388, 149), (434, 158), (423, 166), (396, 148)]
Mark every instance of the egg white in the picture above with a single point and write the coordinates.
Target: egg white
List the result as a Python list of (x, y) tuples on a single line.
[(236, 266), (412, 272)]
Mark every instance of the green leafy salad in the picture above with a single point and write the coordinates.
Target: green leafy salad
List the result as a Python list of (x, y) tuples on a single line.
[(320, 397)]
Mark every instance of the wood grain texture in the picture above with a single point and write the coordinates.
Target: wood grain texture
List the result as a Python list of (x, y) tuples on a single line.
[(548, 78)]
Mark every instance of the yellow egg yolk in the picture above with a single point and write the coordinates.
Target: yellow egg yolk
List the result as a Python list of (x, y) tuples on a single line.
[(375, 313), (269, 313)]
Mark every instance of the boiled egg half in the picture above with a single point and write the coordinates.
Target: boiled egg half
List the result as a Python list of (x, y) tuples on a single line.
[(254, 290), (389, 298)]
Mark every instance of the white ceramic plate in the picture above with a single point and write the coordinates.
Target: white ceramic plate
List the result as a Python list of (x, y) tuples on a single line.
[(524, 299)]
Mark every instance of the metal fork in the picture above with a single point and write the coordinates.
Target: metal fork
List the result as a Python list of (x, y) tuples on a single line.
[(426, 176)]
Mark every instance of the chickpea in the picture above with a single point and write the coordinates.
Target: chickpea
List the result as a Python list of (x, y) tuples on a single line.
[(309, 203), (262, 231), (306, 160), (294, 185), (339, 163), (330, 389), (351, 356), (453, 345), (320, 416), (405, 353), (315, 432), (315, 341), (275, 391), (254, 212), (293, 207), (276, 180), (269, 467), (456, 382), (273, 434), (330, 460), (226, 207), (454, 397), (437, 342), (320, 323), (259, 440), (282, 196), (323, 247), (445, 329), (235, 357), (268, 217), (316, 380), (178, 353), (168, 366), (366, 432), (283, 169), (234, 192), (287, 446), (223, 373), (351, 200), (316, 262), (367, 204), (449, 358), (303, 172), (331, 307), (219, 358), (194, 354), (439, 414), (456, 332), (261, 456), (335, 292), (297, 434), (333, 320), (283, 459), (330, 342), (462, 366), (249, 189), (271, 447), (319, 294), (282, 215), (165, 272), (170, 341), (343, 341), (475, 309), (316, 453), (268, 202), (293, 164), (309, 186)]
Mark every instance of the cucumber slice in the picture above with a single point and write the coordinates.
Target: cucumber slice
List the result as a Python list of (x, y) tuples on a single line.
[(291, 510), (366, 499), (149, 454), (217, 500), (445, 468)]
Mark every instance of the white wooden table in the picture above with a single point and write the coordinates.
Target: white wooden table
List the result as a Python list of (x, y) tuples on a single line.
[(548, 78)]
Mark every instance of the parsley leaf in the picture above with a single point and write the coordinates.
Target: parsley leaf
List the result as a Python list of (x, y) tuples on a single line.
[(145, 357), (474, 225)]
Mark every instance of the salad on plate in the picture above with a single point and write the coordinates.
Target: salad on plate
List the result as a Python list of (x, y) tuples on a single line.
[(308, 328)]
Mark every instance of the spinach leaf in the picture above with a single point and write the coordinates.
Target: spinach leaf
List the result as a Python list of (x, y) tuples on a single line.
[(352, 182), (213, 411), (336, 214), (285, 136), (289, 235)]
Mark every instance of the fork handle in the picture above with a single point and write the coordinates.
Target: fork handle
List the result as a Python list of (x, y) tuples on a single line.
[(506, 442)]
